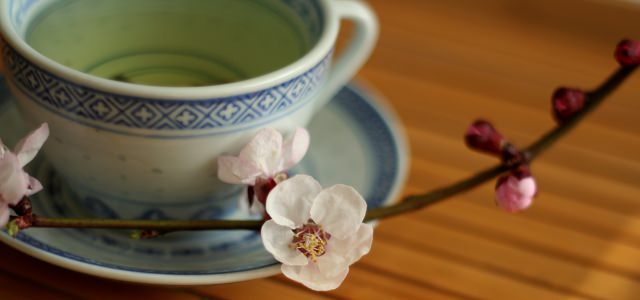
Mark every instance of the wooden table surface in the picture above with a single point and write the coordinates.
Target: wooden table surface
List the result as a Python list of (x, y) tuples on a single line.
[(442, 64)]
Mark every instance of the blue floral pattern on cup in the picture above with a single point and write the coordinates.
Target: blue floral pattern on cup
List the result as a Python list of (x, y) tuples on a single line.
[(111, 111)]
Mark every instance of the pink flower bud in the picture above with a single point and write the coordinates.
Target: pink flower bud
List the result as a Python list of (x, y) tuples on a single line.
[(566, 102), (628, 52), (483, 137), (515, 192)]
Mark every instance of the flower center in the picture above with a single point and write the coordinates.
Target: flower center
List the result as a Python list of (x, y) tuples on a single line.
[(310, 240)]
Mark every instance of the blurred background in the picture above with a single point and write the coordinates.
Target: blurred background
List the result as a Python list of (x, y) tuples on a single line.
[(441, 65)]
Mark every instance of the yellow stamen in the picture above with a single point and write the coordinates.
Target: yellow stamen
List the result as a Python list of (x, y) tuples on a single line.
[(311, 241), (312, 245)]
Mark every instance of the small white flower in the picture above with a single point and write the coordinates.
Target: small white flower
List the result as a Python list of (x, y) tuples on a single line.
[(264, 157), (316, 234), (15, 183), (261, 163)]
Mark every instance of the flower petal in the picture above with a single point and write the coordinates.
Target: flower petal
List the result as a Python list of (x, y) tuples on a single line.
[(353, 247), (4, 215), (236, 170), (528, 187), (3, 149), (225, 169), (265, 152), (276, 239), (295, 148), (513, 194), (289, 202), (340, 210), (312, 278), (332, 263), (34, 186), (28, 147), (13, 180)]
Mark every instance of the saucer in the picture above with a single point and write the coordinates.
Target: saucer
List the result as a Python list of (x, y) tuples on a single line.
[(355, 140)]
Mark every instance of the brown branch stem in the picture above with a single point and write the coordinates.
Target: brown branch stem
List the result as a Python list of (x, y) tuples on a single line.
[(410, 203)]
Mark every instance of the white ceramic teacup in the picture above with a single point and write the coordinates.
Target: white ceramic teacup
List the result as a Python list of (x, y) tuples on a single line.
[(139, 147)]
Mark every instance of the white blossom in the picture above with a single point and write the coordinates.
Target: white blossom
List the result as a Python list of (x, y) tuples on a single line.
[(316, 234)]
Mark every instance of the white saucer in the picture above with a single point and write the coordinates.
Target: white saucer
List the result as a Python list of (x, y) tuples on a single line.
[(355, 140)]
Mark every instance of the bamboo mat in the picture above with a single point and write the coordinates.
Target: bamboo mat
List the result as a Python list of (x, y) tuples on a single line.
[(443, 64)]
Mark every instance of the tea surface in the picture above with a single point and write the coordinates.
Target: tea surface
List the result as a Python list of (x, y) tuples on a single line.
[(169, 42)]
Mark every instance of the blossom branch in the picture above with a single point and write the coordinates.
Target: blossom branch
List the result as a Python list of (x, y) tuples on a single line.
[(595, 97), (410, 203), (162, 226)]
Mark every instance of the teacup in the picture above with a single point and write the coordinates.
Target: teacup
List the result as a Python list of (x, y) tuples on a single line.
[(143, 96)]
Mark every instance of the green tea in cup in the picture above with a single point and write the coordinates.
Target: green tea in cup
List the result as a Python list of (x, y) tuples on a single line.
[(164, 43)]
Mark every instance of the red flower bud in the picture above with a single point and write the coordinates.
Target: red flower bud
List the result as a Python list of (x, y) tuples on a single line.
[(23, 208), (522, 171), (512, 156), (481, 136), (566, 102), (259, 192), (628, 52)]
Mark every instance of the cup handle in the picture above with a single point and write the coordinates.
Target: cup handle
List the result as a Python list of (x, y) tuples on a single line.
[(356, 53)]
